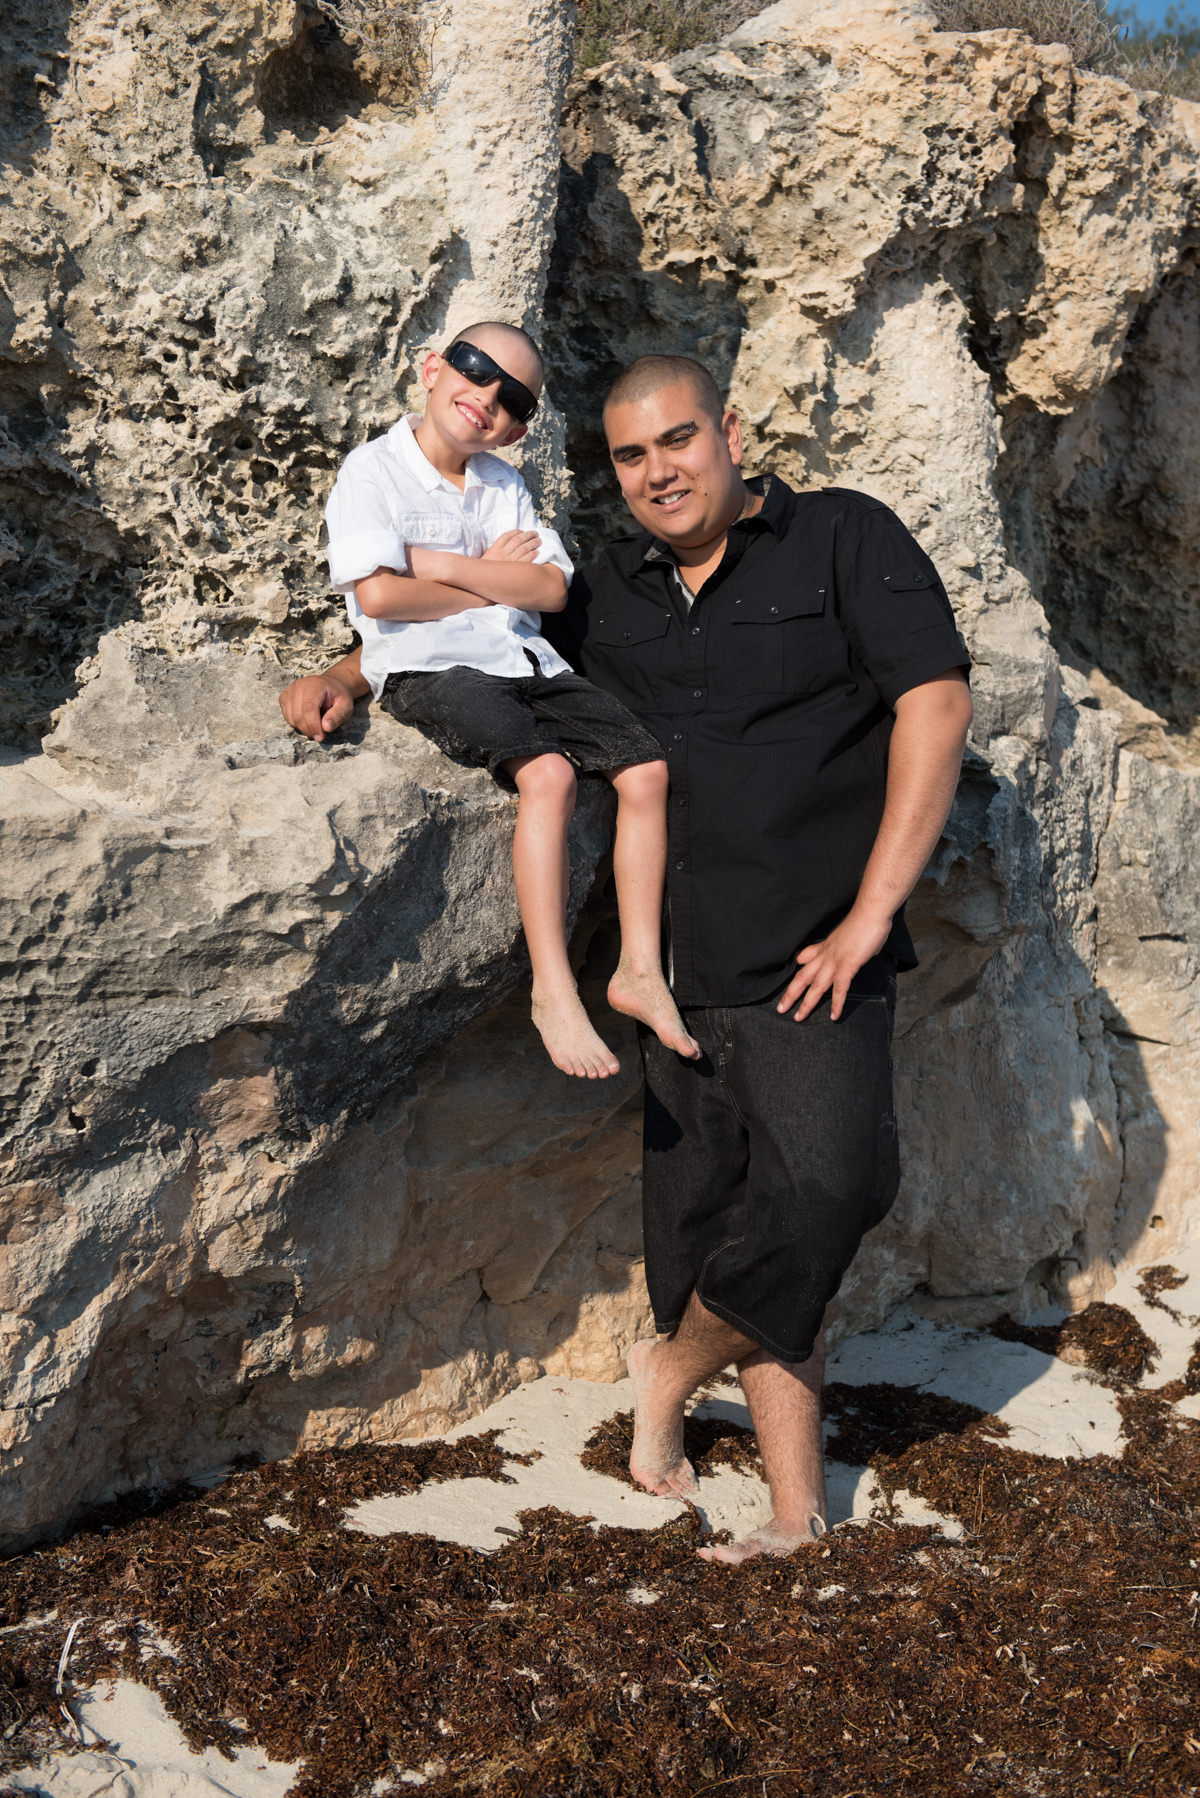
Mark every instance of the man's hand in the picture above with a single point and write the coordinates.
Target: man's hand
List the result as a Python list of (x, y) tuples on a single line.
[(924, 758), (830, 966), (317, 704), (513, 546)]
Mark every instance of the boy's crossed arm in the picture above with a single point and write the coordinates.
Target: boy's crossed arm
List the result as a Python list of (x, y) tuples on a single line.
[(443, 582), (317, 704)]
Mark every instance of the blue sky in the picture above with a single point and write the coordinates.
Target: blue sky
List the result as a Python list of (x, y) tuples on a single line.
[(1152, 12)]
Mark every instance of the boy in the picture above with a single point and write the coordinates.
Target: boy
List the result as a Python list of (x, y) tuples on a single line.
[(445, 566)]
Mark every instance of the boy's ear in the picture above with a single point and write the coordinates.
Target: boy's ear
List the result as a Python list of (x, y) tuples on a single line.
[(429, 369), (514, 436)]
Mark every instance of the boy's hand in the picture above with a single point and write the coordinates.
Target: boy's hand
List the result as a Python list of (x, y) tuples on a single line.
[(513, 546), (316, 705)]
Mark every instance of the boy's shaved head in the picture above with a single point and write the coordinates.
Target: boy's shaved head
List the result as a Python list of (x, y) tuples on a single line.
[(647, 374), (492, 335)]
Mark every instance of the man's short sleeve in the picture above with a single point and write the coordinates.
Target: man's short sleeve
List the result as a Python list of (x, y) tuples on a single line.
[(894, 608), (362, 532)]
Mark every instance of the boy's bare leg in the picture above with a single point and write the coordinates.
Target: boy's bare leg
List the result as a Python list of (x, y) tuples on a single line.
[(785, 1406), (639, 988), (546, 785)]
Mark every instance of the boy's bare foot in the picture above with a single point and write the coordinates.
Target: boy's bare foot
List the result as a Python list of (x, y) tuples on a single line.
[(657, 1460), (570, 1041), (647, 997), (771, 1538)]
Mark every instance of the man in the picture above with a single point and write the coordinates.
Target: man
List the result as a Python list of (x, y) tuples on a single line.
[(796, 656)]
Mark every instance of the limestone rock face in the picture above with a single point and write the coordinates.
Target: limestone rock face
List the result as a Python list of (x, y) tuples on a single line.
[(259, 1188), (283, 1159)]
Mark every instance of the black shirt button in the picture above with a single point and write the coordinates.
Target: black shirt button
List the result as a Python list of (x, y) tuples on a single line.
[(773, 608), (679, 736), (697, 693), (626, 633), (695, 630), (681, 801), (679, 866)]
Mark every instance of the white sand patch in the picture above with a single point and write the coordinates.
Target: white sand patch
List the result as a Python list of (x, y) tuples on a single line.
[(1050, 1407), (551, 1418), (147, 1757)]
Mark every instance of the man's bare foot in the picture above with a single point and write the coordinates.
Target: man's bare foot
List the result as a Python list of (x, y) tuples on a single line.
[(771, 1538), (570, 1041), (657, 1460), (647, 997)]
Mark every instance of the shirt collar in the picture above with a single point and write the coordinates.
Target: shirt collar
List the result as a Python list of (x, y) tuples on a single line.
[(769, 515), (404, 445)]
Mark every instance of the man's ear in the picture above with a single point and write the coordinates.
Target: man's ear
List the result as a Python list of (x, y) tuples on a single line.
[(429, 369), (731, 430), (514, 436)]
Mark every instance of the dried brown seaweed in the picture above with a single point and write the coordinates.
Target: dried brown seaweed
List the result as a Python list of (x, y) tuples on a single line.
[(1052, 1650), (1157, 1280), (1106, 1338), (708, 1442)]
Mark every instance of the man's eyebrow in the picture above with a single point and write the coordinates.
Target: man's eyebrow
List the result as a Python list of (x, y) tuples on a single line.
[(631, 449)]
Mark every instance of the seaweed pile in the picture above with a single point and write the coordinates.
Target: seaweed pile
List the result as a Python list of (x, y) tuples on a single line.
[(1053, 1649)]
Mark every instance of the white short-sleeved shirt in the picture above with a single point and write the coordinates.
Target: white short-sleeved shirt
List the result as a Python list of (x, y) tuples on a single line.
[(389, 498)]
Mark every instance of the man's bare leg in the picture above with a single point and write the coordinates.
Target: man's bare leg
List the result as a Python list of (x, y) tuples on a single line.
[(785, 1406), (546, 785), (639, 988), (665, 1373)]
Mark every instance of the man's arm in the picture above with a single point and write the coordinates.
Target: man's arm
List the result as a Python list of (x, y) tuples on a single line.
[(317, 704), (924, 759)]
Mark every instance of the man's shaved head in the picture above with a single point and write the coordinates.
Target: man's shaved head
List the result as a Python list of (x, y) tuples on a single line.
[(647, 374), (492, 335)]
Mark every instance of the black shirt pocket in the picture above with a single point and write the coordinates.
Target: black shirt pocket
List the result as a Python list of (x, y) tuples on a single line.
[(921, 594), (778, 642), (625, 644)]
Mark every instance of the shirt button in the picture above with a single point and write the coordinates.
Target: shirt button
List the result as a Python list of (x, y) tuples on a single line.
[(697, 693), (679, 736), (695, 630), (773, 609), (626, 633), (679, 866), (681, 801)]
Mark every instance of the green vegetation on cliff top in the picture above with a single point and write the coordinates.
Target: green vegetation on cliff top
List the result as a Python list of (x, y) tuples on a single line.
[(1112, 42)]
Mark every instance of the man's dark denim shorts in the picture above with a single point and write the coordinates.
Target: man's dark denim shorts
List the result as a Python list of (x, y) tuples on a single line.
[(767, 1161), (489, 719)]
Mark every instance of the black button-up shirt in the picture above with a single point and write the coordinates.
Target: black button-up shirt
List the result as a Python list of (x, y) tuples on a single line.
[(771, 694)]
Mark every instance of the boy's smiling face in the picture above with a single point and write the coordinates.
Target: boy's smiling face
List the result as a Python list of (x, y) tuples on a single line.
[(461, 418)]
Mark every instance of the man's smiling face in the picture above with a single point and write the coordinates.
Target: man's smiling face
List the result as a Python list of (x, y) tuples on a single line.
[(677, 466)]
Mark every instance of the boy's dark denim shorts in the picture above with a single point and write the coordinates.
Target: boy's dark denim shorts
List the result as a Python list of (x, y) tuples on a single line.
[(488, 719), (768, 1160)]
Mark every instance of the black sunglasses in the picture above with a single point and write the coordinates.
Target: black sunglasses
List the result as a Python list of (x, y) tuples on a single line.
[(478, 368)]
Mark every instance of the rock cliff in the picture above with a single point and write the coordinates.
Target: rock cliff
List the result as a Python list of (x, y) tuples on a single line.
[(283, 1161)]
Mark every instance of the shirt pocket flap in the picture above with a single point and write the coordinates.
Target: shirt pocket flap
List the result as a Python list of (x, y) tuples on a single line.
[(430, 530), (910, 580), (773, 608), (625, 628)]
